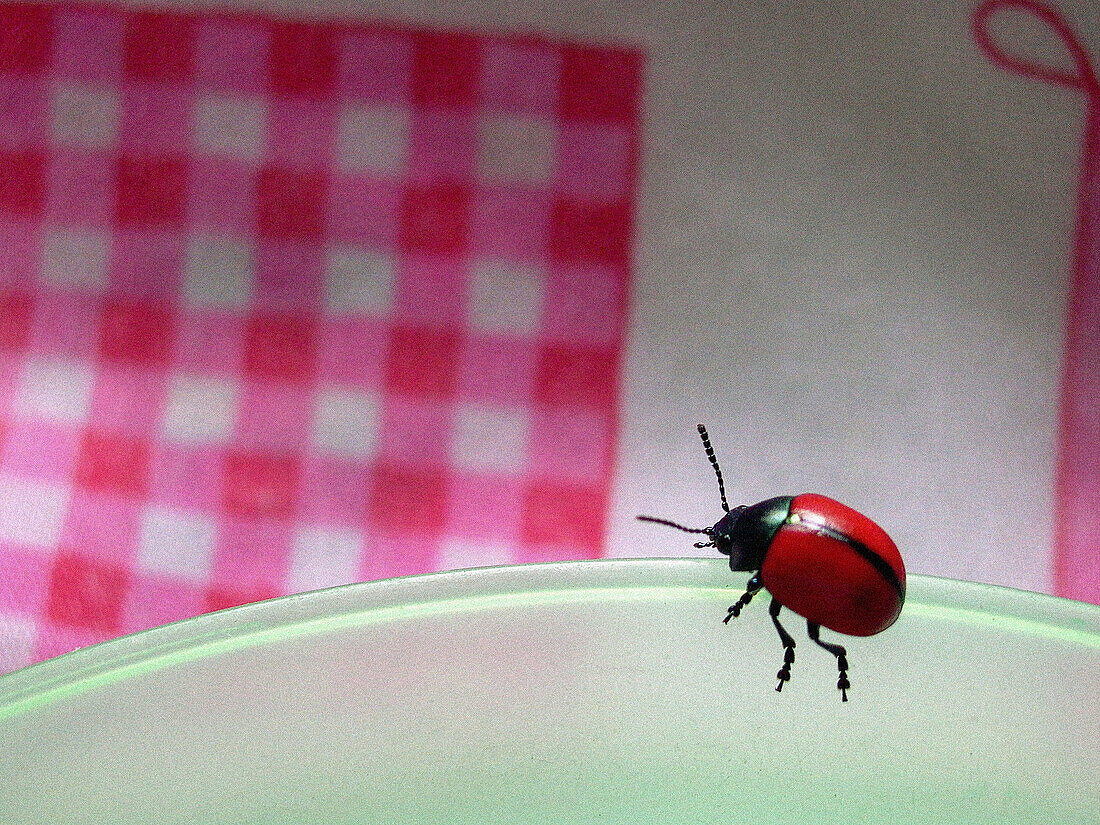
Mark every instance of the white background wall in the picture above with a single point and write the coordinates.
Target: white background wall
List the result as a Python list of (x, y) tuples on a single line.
[(852, 263)]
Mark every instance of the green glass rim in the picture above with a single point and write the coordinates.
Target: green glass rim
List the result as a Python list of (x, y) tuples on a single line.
[(369, 603)]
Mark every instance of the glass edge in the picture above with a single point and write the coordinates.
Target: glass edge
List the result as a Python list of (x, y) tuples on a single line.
[(705, 574)]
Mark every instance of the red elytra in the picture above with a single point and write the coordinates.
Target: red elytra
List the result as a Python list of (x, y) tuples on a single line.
[(818, 574)]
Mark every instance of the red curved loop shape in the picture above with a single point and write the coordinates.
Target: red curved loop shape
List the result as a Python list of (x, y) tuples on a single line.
[(1084, 78)]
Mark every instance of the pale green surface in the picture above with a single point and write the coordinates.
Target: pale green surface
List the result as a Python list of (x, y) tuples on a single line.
[(602, 692)]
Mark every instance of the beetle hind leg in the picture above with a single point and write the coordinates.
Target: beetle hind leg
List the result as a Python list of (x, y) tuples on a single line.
[(814, 630), (784, 674), (751, 589)]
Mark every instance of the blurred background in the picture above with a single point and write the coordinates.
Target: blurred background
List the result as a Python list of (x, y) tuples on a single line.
[(296, 294)]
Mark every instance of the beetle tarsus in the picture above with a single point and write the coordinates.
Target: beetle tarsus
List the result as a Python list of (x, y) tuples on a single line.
[(734, 611), (784, 674), (814, 631)]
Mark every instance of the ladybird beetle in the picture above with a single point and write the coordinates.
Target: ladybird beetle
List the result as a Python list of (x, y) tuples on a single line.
[(820, 558)]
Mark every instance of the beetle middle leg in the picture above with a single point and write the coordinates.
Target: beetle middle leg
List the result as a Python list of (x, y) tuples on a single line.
[(751, 589), (814, 630), (784, 674)]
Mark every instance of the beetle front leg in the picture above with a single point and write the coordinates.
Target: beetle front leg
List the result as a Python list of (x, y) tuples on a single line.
[(751, 589), (784, 674), (814, 630)]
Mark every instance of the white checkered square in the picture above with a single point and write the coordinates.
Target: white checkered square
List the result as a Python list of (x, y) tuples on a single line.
[(515, 149), (373, 139), (491, 438), (358, 280), (505, 297), (55, 390), (177, 542), (233, 126), (84, 115), (17, 637), (218, 272), (200, 410), (324, 558), (75, 257), (32, 511), (345, 423)]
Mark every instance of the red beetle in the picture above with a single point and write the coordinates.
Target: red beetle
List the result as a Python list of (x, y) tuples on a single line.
[(816, 556)]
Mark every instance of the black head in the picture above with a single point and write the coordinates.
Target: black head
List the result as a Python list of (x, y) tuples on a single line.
[(744, 532)]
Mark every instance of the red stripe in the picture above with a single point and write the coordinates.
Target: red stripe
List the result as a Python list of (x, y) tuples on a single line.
[(1076, 563)]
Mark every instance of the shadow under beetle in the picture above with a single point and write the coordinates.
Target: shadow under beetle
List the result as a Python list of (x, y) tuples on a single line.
[(825, 561)]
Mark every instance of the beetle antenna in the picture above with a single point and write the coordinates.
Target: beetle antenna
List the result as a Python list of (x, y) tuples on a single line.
[(668, 523), (714, 463)]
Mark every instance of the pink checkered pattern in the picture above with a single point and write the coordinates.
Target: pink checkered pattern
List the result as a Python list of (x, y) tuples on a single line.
[(286, 305)]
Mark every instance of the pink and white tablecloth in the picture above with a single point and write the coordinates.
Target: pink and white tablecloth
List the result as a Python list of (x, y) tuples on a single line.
[(289, 304), (286, 305)]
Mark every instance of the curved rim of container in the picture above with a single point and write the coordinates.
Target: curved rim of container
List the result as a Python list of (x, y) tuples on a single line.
[(406, 597)]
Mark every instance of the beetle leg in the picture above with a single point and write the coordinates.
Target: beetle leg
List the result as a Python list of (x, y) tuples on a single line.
[(751, 589), (784, 673), (841, 658)]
